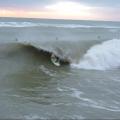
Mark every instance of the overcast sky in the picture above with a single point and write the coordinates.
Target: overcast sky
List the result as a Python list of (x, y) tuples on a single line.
[(62, 9)]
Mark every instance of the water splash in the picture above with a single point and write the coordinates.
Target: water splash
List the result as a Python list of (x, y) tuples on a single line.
[(103, 56)]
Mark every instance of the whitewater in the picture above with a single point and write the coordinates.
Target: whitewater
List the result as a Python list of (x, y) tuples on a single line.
[(104, 56)]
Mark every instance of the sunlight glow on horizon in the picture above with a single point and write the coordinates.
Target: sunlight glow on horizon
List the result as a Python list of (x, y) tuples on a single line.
[(68, 7)]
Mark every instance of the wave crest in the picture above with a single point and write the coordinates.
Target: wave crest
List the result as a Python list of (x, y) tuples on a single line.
[(58, 25)]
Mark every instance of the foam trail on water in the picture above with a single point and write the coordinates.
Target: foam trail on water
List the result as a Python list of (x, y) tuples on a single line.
[(104, 56)]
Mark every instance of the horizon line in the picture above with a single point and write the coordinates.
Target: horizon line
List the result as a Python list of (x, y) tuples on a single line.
[(58, 19)]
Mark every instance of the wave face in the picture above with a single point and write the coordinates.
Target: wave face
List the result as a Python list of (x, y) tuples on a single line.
[(103, 56), (66, 51)]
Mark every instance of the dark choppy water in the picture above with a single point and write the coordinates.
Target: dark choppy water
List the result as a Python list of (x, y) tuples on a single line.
[(31, 87)]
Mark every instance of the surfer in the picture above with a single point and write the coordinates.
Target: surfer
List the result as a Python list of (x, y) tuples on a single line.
[(16, 39), (55, 60)]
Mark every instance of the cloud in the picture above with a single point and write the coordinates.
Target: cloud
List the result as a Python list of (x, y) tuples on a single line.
[(72, 9), (100, 3), (24, 4), (33, 4), (106, 13)]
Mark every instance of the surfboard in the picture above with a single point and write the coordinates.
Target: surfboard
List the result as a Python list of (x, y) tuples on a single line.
[(55, 60)]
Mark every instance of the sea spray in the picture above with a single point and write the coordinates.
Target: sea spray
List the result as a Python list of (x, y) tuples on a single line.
[(102, 56)]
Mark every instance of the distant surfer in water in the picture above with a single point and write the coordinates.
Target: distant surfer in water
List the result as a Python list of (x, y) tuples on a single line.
[(99, 37), (16, 39)]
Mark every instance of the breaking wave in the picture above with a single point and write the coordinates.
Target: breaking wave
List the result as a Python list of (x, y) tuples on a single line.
[(40, 24), (104, 56), (47, 51)]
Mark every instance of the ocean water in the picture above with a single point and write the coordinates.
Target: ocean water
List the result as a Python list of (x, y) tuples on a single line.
[(32, 87)]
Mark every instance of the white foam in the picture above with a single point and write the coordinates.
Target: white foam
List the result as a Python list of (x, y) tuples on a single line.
[(17, 24), (34, 24), (32, 117), (103, 56)]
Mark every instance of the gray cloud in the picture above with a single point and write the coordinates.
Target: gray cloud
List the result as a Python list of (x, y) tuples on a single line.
[(99, 3), (36, 4), (27, 4)]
